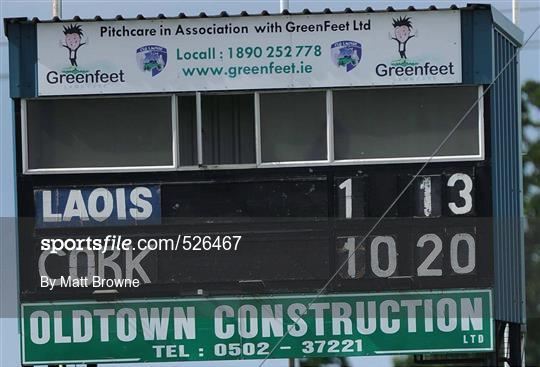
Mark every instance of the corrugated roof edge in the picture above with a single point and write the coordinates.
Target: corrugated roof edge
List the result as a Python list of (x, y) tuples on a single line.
[(369, 9), (510, 30), (505, 25)]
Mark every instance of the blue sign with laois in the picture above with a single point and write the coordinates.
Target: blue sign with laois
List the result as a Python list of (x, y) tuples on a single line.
[(97, 206)]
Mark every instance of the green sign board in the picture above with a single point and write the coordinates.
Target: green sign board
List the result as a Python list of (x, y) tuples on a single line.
[(255, 327)]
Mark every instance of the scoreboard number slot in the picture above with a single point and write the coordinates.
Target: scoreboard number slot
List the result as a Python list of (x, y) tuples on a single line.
[(379, 244), (427, 196), (382, 257), (350, 197), (455, 245), (377, 257), (429, 199), (430, 196), (434, 256), (430, 255), (463, 204), (356, 264), (347, 186)]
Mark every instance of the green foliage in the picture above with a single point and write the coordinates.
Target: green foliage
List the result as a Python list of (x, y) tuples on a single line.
[(531, 187), (403, 361), (408, 361), (530, 103), (324, 362)]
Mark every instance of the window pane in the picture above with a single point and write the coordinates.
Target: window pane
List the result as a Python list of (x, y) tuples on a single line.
[(404, 122), (99, 132), (187, 130), (228, 124), (293, 126)]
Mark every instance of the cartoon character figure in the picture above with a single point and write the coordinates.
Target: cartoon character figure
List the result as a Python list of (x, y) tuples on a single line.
[(402, 34), (73, 42)]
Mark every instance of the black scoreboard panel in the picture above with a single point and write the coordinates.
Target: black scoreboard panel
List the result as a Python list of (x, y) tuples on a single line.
[(291, 197), (298, 225)]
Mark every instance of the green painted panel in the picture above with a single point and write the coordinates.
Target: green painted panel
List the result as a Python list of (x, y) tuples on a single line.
[(254, 327)]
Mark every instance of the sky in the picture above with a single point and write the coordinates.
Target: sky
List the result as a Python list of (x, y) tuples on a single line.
[(9, 355)]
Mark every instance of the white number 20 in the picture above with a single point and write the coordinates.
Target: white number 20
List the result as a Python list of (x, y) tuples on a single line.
[(465, 193)]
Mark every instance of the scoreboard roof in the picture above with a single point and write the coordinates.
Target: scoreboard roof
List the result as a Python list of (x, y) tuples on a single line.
[(498, 18), (468, 32)]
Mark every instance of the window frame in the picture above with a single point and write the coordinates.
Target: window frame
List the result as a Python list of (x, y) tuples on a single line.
[(64, 170), (175, 130), (329, 144), (454, 158), (200, 151)]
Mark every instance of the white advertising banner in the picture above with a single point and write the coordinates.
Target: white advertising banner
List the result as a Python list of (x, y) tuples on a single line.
[(253, 52)]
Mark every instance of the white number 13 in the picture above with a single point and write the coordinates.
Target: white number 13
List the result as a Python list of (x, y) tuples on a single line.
[(465, 193)]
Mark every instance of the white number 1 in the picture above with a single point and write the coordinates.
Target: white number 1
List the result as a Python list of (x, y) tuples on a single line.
[(350, 246), (347, 185), (426, 186)]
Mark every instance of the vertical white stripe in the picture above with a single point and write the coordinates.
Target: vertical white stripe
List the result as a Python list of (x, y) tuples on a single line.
[(199, 128), (330, 125), (258, 153), (175, 131), (24, 136)]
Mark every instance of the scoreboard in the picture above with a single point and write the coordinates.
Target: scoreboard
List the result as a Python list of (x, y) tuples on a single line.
[(250, 187), (308, 221)]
